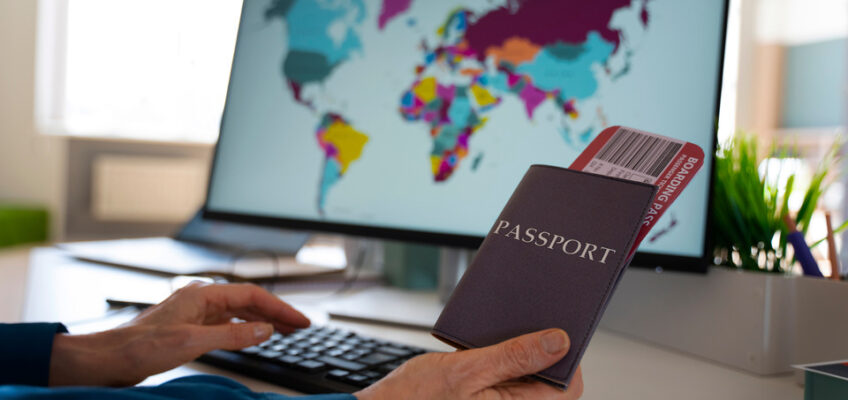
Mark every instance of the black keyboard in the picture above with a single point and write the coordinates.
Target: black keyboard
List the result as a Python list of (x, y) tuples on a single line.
[(316, 360)]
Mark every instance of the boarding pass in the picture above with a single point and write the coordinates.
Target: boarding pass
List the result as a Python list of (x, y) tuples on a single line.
[(641, 156)]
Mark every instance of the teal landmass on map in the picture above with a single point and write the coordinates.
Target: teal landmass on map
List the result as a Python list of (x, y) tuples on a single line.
[(321, 36)]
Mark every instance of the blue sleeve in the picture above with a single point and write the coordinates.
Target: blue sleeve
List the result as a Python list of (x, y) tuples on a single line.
[(25, 352), (206, 387)]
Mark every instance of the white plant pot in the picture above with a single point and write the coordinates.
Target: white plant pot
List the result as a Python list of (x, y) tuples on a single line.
[(758, 322)]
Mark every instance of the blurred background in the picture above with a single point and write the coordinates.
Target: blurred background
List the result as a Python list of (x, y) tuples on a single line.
[(107, 123)]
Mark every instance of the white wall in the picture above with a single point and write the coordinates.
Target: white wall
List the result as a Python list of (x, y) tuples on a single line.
[(31, 165)]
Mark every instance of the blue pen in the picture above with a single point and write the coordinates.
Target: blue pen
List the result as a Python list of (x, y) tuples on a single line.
[(802, 251)]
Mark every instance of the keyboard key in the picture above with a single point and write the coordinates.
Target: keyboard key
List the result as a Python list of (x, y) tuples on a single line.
[(276, 336), (319, 348), (294, 352), (351, 356), (394, 351), (341, 363), (251, 350), (370, 374), (376, 358), (310, 355), (337, 374), (335, 352), (357, 380), (290, 360), (270, 354), (278, 347), (389, 367), (310, 366)]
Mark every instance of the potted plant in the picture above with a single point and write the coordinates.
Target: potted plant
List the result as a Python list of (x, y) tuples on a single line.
[(750, 311), (749, 209)]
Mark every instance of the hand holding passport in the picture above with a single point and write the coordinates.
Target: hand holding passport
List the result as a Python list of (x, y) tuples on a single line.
[(559, 247)]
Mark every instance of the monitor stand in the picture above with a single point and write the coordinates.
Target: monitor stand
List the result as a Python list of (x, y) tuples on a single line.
[(452, 264)]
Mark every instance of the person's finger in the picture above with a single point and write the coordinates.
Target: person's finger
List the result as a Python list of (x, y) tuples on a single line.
[(539, 390), (238, 297), (229, 336), (575, 387), (536, 391), (249, 316), (517, 357)]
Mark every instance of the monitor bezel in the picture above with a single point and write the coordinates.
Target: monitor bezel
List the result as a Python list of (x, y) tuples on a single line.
[(659, 261)]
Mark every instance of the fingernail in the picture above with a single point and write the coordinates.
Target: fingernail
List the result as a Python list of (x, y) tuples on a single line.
[(262, 331), (555, 341)]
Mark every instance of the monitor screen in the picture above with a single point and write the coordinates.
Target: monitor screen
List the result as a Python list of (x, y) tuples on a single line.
[(416, 119)]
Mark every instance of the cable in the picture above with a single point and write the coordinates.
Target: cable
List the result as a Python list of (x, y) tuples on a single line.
[(357, 267), (275, 262), (271, 284)]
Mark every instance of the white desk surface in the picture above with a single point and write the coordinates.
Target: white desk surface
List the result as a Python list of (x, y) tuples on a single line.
[(43, 285)]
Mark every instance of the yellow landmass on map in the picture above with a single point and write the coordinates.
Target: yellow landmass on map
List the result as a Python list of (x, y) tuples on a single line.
[(348, 141), (426, 89), (482, 96)]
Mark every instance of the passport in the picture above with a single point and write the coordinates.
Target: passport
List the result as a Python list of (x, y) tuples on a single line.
[(551, 259)]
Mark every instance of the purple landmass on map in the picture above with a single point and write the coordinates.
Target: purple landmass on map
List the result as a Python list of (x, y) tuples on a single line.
[(391, 9), (643, 15), (544, 22)]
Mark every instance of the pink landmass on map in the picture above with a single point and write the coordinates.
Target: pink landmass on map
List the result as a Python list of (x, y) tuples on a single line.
[(532, 97), (391, 9)]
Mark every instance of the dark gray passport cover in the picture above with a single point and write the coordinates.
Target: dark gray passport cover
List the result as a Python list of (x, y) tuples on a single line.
[(516, 285)]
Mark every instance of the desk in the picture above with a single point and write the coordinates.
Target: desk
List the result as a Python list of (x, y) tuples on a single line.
[(45, 285)]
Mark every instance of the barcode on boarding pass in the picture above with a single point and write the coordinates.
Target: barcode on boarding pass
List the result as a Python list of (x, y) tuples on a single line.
[(638, 152)]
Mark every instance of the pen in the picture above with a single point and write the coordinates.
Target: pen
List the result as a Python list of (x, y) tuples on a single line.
[(802, 251), (835, 271)]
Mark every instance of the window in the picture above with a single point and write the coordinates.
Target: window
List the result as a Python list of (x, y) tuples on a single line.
[(136, 69)]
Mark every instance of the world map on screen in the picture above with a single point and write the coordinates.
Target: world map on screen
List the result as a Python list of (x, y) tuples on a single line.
[(536, 51)]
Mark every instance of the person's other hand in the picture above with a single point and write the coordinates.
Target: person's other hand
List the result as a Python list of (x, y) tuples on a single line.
[(193, 320), (492, 372)]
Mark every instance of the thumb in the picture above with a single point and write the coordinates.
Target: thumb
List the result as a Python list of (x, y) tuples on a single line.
[(233, 335), (524, 355)]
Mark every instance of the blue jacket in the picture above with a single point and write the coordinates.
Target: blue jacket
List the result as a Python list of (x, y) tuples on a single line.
[(25, 363)]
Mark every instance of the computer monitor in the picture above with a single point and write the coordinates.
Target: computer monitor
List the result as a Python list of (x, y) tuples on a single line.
[(414, 120)]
